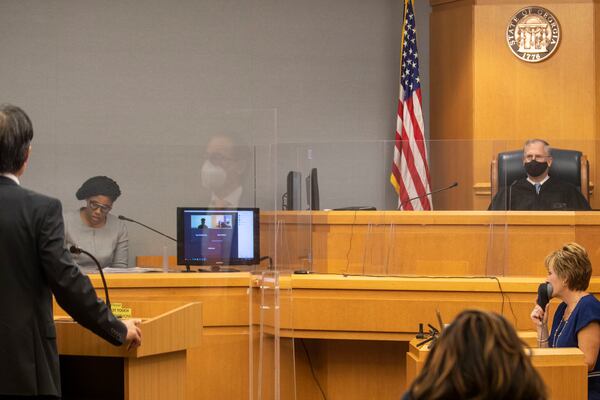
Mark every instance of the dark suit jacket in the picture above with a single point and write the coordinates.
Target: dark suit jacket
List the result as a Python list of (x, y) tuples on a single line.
[(33, 266)]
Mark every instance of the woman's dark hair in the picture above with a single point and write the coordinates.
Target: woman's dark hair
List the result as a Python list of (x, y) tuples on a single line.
[(479, 356), (16, 133), (99, 186)]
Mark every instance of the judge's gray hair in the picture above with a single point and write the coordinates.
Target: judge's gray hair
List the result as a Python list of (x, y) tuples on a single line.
[(547, 147)]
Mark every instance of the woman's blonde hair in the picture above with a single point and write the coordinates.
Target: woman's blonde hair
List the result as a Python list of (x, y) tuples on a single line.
[(571, 263), (479, 356)]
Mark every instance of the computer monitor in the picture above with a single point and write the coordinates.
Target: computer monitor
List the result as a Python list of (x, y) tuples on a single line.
[(218, 236), (293, 195), (312, 190)]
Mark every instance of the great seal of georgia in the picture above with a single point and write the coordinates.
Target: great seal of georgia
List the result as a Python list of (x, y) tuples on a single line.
[(533, 34)]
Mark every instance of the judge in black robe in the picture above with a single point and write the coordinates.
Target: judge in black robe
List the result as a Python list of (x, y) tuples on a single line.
[(552, 194), (555, 195)]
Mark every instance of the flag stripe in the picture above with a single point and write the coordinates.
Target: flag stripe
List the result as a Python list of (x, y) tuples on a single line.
[(401, 188), (412, 156), (410, 172), (416, 140), (410, 168)]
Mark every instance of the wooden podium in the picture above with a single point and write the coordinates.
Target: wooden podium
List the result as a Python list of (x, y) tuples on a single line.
[(155, 370), (563, 370)]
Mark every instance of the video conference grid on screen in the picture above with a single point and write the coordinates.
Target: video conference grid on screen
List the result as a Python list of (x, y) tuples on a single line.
[(219, 236)]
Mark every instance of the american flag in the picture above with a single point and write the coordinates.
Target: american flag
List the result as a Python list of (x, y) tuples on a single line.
[(410, 173)]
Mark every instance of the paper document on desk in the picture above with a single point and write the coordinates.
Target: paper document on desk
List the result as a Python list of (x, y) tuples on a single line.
[(134, 270)]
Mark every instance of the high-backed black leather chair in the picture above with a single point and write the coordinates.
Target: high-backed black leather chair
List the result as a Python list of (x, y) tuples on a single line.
[(567, 165)]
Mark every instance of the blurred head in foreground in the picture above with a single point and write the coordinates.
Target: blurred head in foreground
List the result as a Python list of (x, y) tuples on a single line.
[(478, 356)]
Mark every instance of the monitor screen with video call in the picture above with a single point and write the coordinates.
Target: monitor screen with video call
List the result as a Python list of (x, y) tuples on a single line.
[(217, 236)]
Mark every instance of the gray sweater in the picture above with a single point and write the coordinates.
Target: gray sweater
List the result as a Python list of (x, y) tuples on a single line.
[(109, 244)]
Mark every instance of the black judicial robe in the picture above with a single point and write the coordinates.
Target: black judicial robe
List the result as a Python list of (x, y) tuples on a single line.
[(555, 195)]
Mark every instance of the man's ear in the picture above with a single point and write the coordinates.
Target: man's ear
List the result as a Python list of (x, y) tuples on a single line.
[(24, 166)]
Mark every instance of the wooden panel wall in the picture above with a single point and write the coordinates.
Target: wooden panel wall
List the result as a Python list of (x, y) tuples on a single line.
[(451, 103), (509, 100)]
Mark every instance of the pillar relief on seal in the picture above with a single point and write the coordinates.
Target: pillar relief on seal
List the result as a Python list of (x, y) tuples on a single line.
[(533, 34)]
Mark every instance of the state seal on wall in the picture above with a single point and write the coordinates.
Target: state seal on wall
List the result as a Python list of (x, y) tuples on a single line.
[(533, 34)]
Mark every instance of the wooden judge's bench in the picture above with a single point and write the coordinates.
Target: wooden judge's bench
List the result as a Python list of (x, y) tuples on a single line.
[(441, 243)]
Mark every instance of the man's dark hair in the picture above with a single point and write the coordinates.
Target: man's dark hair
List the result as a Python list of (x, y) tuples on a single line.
[(16, 133)]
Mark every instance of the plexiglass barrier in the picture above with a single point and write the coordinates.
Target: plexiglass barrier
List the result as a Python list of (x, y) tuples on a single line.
[(245, 167), (325, 208), (459, 237)]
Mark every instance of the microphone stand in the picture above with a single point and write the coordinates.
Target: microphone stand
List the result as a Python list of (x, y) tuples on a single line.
[(455, 184), (124, 218), (433, 336), (509, 205), (77, 250)]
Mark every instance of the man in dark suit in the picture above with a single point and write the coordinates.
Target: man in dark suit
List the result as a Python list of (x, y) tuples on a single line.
[(33, 266)]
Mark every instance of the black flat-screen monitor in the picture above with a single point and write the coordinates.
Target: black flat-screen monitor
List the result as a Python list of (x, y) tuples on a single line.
[(312, 190), (218, 236), (294, 191)]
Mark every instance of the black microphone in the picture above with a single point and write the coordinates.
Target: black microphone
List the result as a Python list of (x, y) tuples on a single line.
[(455, 184), (77, 250), (421, 333), (124, 218), (544, 294)]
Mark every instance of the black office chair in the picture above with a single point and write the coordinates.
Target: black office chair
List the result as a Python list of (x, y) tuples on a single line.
[(567, 165)]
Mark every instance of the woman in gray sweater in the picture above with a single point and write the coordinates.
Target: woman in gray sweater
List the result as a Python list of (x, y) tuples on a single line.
[(94, 229)]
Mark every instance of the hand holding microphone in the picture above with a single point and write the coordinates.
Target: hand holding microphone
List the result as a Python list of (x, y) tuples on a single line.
[(539, 315), (544, 294)]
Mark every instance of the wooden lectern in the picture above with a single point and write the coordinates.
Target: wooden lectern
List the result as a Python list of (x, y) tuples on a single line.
[(155, 370), (563, 370)]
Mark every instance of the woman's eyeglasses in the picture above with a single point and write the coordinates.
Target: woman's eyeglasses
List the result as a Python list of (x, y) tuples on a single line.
[(94, 205)]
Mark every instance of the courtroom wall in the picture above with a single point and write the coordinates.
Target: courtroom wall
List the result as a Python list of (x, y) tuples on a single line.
[(134, 89)]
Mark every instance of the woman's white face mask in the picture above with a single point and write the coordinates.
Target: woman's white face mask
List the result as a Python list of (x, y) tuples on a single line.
[(213, 177)]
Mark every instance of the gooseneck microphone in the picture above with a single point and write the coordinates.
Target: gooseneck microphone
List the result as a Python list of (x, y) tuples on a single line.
[(544, 294), (455, 184), (77, 250), (510, 188), (124, 218)]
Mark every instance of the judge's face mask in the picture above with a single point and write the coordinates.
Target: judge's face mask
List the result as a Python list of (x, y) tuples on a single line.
[(213, 177), (535, 168)]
